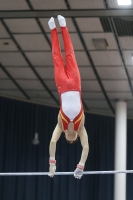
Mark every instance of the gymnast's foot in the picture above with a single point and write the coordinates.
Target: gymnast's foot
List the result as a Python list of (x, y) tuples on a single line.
[(51, 23), (61, 20)]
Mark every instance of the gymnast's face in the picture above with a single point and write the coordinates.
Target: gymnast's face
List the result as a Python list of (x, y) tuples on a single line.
[(71, 138), (71, 134), (72, 142)]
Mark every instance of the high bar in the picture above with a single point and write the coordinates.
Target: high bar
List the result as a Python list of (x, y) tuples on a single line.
[(63, 173)]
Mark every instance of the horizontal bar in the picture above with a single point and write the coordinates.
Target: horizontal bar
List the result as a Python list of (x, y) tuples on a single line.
[(64, 173), (68, 13)]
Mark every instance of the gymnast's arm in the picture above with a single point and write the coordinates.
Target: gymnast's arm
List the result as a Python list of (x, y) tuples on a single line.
[(78, 173), (56, 135), (84, 142)]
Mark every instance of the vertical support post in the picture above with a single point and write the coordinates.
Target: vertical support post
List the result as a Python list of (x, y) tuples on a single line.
[(120, 150)]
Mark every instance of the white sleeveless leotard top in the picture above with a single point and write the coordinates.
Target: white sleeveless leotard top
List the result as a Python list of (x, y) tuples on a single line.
[(71, 104)]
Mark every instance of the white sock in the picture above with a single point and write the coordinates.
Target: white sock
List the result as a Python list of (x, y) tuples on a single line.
[(61, 20), (51, 23)]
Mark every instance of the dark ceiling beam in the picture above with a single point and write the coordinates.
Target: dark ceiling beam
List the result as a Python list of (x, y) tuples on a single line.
[(68, 13), (121, 53), (29, 63), (84, 104), (93, 67), (91, 61), (112, 25), (14, 81), (39, 24), (106, 4)]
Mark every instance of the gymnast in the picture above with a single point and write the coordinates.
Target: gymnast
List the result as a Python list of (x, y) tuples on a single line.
[(71, 115)]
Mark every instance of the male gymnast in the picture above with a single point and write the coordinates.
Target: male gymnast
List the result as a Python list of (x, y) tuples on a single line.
[(71, 115)]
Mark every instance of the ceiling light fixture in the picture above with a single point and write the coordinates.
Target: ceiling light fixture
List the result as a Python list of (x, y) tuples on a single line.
[(124, 2), (6, 43), (35, 141), (100, 44)]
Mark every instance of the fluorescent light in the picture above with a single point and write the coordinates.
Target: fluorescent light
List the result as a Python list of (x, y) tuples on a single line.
[(124, 2)]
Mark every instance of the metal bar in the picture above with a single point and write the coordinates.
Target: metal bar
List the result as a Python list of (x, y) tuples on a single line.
[(65, 173), (67, 13)]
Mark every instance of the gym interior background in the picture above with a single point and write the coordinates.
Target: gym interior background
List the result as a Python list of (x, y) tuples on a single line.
[(102, 35)]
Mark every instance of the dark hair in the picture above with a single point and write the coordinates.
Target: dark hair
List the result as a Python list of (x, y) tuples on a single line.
[(69, 141)]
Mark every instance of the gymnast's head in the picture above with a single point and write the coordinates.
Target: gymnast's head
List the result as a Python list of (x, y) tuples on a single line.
[(71, 135)]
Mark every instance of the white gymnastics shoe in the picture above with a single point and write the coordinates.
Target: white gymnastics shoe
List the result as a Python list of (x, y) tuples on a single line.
[(61, 20), (51, 23)]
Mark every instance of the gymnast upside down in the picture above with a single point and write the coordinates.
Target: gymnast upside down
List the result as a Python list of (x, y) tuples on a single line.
[(71, 115)]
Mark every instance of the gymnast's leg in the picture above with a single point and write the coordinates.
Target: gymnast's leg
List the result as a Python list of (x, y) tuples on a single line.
[(71, 64), (59, 71)]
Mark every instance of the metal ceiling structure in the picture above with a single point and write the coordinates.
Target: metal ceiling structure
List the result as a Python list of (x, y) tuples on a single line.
[(26, 71)]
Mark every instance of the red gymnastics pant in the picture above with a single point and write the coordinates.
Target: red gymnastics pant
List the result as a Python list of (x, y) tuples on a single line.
[(67, 77)]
